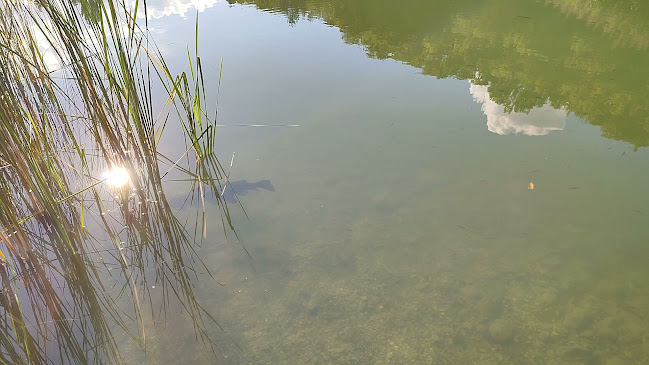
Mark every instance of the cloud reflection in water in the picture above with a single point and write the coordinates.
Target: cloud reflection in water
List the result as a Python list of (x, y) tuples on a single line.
[(161, 8), (538, 122)]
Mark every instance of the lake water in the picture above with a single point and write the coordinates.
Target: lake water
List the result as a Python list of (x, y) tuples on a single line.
[(467, 183)]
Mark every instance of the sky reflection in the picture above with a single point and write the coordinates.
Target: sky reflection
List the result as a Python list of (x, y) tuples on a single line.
[(160, 8), (538, 122)]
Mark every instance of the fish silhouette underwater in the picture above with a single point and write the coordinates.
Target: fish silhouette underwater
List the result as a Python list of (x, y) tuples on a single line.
[(232, 191), (242, 187)]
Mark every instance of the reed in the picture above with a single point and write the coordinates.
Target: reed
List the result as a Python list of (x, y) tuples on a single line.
[(63, 231)]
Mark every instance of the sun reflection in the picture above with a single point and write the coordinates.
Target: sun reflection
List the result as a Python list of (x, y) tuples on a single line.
[(116, 177)]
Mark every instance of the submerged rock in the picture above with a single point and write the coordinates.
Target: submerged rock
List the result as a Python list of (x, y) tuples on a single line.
[(578, 318), (501, 331), (576, 354)]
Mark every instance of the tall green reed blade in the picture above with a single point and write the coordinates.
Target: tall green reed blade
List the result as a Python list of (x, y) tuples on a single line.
[(50, 235)]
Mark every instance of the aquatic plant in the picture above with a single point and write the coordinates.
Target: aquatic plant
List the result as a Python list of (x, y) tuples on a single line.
[(76, 99)]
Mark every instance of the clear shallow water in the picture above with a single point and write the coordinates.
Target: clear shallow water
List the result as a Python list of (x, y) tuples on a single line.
[(402, 228)]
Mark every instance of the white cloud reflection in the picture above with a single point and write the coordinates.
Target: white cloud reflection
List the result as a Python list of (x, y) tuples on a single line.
[(161, 8), (538, 122)]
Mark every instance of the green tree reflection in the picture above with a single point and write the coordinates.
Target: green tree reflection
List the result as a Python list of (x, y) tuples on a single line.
[(589, 58)]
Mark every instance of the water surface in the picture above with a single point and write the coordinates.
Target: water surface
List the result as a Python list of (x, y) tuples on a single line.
[(404, 227)]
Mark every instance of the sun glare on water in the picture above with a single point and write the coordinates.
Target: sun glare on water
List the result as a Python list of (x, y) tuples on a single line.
[(116, 177)]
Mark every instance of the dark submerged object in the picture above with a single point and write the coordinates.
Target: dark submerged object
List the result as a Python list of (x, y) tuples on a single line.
[(233, 189), (242, 187)]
